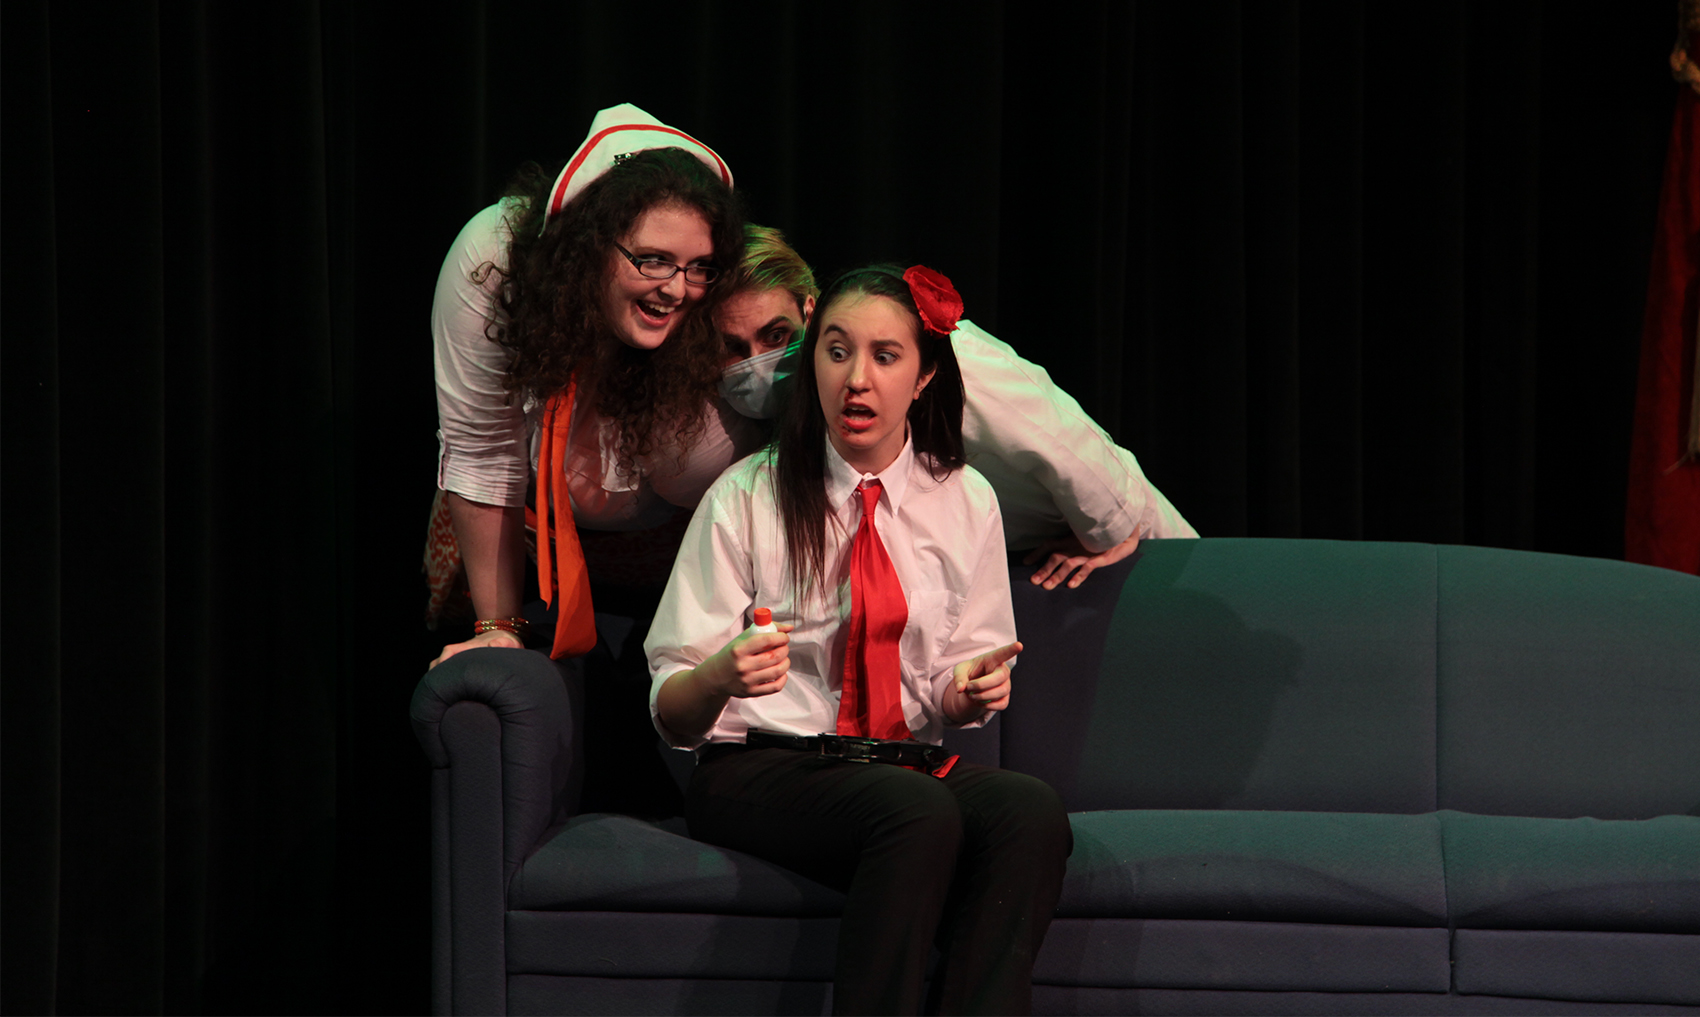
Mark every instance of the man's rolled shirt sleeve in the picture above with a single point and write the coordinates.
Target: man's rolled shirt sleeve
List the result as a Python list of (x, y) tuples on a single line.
[(1051, 464)]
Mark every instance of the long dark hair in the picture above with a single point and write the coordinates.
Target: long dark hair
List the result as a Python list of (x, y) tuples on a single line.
[(799, 449), (551, 298)]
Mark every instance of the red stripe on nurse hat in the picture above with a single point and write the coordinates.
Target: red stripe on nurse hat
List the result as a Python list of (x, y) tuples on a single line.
[(618, 131)]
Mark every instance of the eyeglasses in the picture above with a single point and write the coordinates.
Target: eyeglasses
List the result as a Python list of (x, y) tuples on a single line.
[(656, 268)]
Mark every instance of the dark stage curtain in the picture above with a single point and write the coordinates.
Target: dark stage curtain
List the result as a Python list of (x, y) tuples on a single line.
[(1331, 270)]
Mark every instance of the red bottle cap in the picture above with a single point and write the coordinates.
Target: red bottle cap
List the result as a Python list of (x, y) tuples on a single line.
[(764, 616)]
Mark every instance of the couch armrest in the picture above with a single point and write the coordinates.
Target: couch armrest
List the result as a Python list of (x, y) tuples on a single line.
[(500, 728)]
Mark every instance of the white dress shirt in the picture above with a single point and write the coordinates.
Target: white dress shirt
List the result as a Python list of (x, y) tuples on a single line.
[(1054, 468), (486, 441), (946, 545)]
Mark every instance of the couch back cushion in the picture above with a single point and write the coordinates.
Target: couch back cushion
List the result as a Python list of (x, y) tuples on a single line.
[(1362, 677), (1567, 686), (1233, 674)]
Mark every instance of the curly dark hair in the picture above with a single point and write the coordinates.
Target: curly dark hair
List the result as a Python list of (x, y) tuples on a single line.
[(799, 447), (551, 298)]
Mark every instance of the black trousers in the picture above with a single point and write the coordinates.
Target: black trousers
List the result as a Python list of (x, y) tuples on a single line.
[(972, 862)]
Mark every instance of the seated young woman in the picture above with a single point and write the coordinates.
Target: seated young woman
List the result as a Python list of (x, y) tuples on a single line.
[(881, 558)]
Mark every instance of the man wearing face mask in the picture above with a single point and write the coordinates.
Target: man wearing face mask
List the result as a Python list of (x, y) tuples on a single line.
[(1071, 497), (762, 320)]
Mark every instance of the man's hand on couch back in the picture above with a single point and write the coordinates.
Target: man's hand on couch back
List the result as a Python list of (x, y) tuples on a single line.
[(1067, 556)]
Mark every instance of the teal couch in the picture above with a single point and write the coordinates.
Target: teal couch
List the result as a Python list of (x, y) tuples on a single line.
[(1304, 777)]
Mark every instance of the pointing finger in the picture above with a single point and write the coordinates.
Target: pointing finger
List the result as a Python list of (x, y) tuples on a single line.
[(984, 664), (998, 656)]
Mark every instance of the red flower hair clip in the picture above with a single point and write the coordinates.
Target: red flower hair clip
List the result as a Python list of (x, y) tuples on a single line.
[(937, 300)]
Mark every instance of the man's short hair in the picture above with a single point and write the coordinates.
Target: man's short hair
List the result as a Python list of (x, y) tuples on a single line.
[(770, 262)]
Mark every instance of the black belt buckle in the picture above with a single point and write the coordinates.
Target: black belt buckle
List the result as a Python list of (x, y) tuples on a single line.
[(857, 750), (913, 754)]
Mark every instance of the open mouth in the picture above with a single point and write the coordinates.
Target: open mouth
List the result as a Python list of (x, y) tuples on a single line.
[(655, 314), (858, 418)]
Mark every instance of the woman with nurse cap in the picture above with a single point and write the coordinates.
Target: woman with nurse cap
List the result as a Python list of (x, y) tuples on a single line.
[(572, 344)]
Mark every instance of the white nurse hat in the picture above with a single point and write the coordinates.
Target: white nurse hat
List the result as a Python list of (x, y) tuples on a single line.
[(617, 132)]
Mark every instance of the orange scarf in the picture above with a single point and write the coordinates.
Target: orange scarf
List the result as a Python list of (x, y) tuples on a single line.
[(560, 566)]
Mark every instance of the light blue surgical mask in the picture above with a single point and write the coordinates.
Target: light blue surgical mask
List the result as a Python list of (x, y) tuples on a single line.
[(756, 387)]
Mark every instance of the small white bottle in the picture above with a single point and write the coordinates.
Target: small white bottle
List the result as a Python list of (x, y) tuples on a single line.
[(764, 621)]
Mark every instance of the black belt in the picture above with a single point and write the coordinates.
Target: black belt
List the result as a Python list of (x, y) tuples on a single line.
[(913, 754)]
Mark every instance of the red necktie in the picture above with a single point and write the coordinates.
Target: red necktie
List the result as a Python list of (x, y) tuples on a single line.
[(870, 703)]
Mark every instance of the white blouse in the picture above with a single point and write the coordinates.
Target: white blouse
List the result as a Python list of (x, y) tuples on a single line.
[(945, 539)]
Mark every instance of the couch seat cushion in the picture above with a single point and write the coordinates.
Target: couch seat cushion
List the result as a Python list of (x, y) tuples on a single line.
[(626, 944), (1326, 867), (1615, 967), (1178, 953), (1603, 875), (600, 862)]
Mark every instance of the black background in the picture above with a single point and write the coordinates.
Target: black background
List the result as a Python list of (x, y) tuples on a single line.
[(1331, 271)]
